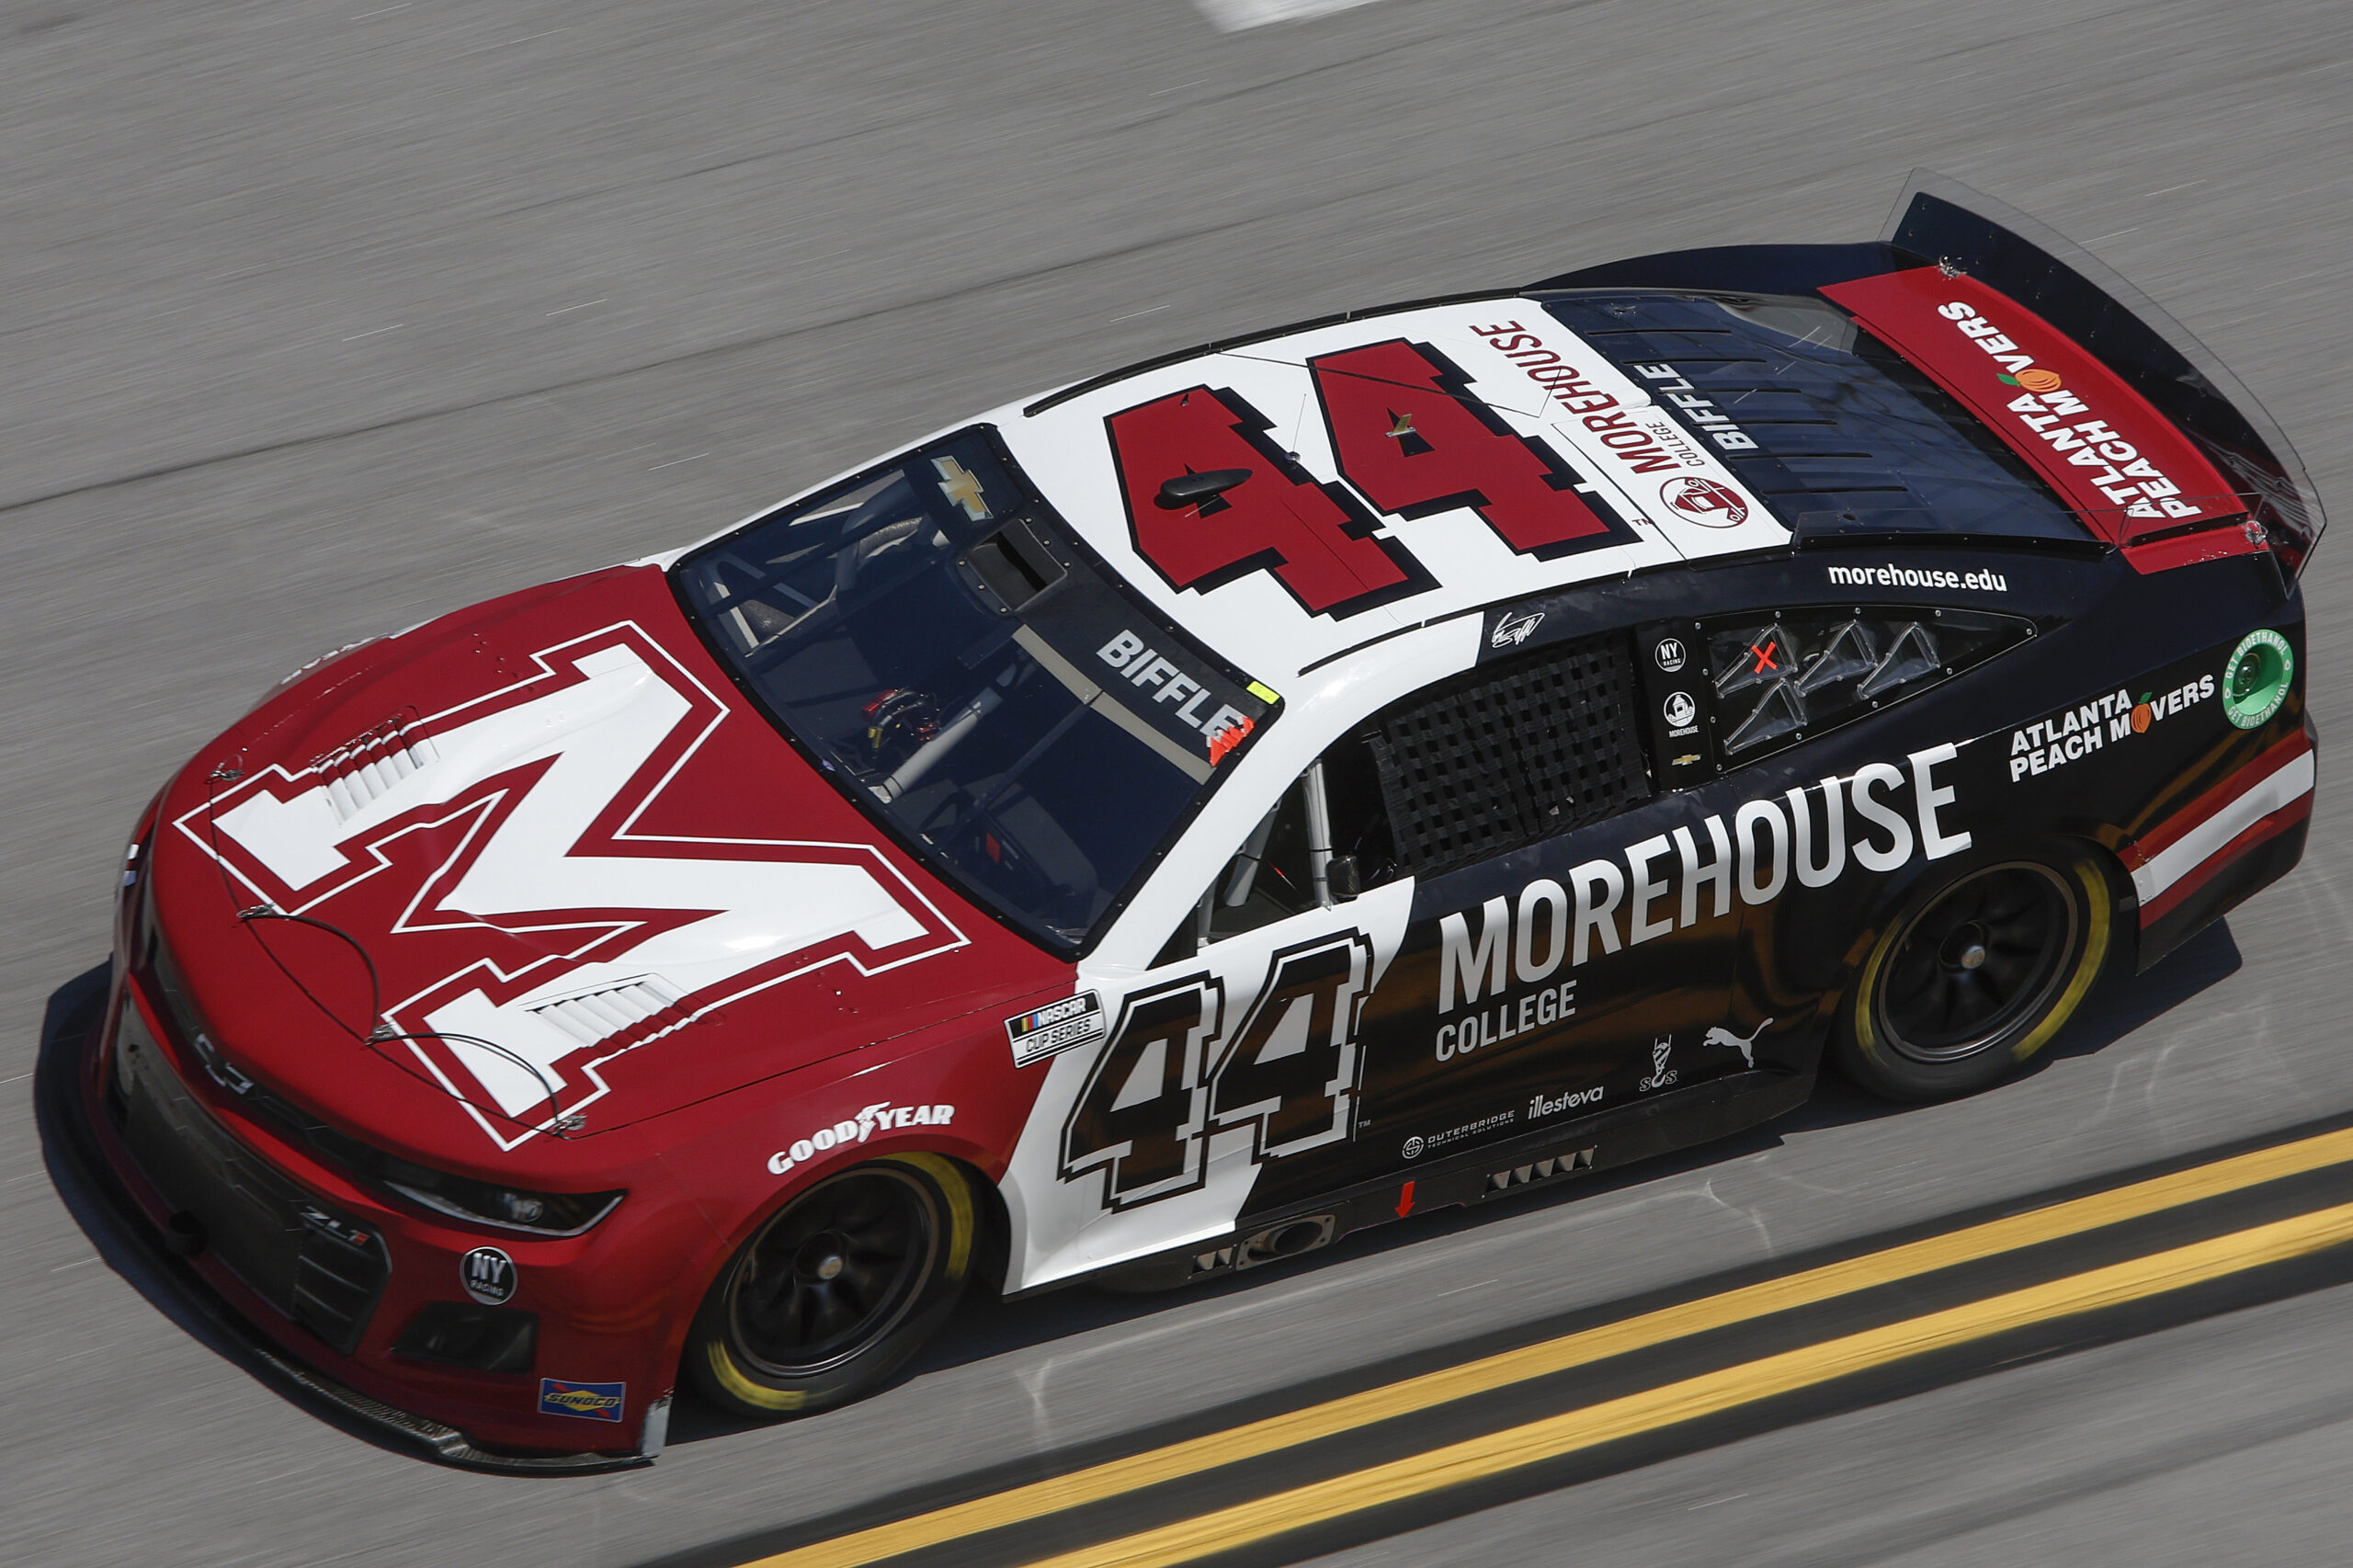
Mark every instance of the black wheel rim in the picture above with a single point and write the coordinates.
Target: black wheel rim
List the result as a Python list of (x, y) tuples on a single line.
[(834, 1273), (1988, 954)]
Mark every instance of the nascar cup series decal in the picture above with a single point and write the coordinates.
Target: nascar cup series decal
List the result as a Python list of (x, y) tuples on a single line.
[(882, 1118), (1060, 1026)]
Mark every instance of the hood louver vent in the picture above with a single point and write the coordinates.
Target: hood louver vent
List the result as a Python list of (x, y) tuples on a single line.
[(596, 1016), (358, 772)]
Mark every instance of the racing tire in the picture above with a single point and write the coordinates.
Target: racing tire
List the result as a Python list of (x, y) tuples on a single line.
[(837, 1289), (1975, 974)]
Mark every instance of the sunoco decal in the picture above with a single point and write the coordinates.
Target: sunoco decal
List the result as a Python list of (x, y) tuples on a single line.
[(588, 1402)]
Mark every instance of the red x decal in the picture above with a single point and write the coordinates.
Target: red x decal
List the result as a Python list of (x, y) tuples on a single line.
[(1765, 656)]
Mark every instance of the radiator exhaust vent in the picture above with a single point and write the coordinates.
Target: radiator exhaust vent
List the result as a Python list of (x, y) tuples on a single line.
[(1542, 1170)]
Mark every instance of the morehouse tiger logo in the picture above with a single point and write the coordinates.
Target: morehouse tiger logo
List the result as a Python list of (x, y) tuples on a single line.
[(1698, 499), (523, 929)]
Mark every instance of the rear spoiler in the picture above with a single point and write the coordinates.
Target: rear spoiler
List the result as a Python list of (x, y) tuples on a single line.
[(1940, 221)]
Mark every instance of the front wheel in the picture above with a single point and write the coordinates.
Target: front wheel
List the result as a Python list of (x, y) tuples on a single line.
[(837, 1290), (1974, 975)]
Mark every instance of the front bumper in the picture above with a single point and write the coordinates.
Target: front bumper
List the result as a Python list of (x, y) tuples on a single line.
[(305, 1319)]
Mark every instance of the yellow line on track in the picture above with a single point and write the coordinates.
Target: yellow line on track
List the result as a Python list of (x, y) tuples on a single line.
[(2074, 1217), (1706, 1395)]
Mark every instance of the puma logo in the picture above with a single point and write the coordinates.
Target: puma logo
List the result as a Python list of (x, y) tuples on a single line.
[(1721, 1035)]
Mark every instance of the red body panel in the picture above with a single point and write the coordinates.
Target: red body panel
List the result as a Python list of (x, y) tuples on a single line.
[(2118, 463), (696, 1115)]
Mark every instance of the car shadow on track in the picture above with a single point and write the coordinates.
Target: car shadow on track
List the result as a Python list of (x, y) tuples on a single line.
[(986, 1328)]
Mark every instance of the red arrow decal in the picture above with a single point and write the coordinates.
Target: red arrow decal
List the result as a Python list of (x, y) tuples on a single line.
[(1405, 1201)]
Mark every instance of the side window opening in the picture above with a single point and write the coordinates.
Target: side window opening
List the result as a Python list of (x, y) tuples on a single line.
[(1325, 841), (1272, 877), (1364, 846)]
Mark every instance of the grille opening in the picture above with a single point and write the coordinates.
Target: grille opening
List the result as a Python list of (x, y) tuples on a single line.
[(320, 1268), (1517, 752)]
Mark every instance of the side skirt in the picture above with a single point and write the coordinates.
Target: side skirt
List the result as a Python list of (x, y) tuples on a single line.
[(1604, 1141)]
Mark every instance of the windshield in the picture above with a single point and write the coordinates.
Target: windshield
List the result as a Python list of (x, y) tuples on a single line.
[(962, 668)]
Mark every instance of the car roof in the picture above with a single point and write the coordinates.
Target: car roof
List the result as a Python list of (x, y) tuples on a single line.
[(1098, 451)]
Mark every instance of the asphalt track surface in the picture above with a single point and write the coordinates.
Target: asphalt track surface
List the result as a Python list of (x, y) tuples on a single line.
[(319, 318)]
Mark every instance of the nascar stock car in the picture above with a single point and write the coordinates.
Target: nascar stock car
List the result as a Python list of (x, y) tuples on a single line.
[(1384, 764)]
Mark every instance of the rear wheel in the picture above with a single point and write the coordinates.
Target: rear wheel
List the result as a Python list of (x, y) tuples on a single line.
[(1974, 975), (837, 1290)]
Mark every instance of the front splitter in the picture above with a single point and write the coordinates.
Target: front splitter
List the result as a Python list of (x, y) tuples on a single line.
[(64, 1119)]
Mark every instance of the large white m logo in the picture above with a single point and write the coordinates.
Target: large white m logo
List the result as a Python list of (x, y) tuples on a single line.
[(520, 809)]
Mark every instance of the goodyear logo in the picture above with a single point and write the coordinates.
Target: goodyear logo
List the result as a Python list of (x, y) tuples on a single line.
[(589, 1402)]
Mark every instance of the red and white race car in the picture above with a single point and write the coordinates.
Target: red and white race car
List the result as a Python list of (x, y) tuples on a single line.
[(1381, 764)]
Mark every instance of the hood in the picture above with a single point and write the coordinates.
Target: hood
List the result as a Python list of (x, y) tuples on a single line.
[(544, 857)]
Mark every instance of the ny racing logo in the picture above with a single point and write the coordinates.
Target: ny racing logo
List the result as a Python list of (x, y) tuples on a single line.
[(523, 931)]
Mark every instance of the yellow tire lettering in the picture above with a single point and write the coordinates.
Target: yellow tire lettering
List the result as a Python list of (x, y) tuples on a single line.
[(958, 1193), (2098, 911), (731, 1378), (954, 1190), (1866, 1037)]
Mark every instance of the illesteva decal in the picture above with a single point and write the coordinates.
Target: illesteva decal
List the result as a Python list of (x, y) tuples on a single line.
[(2110, 455)]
